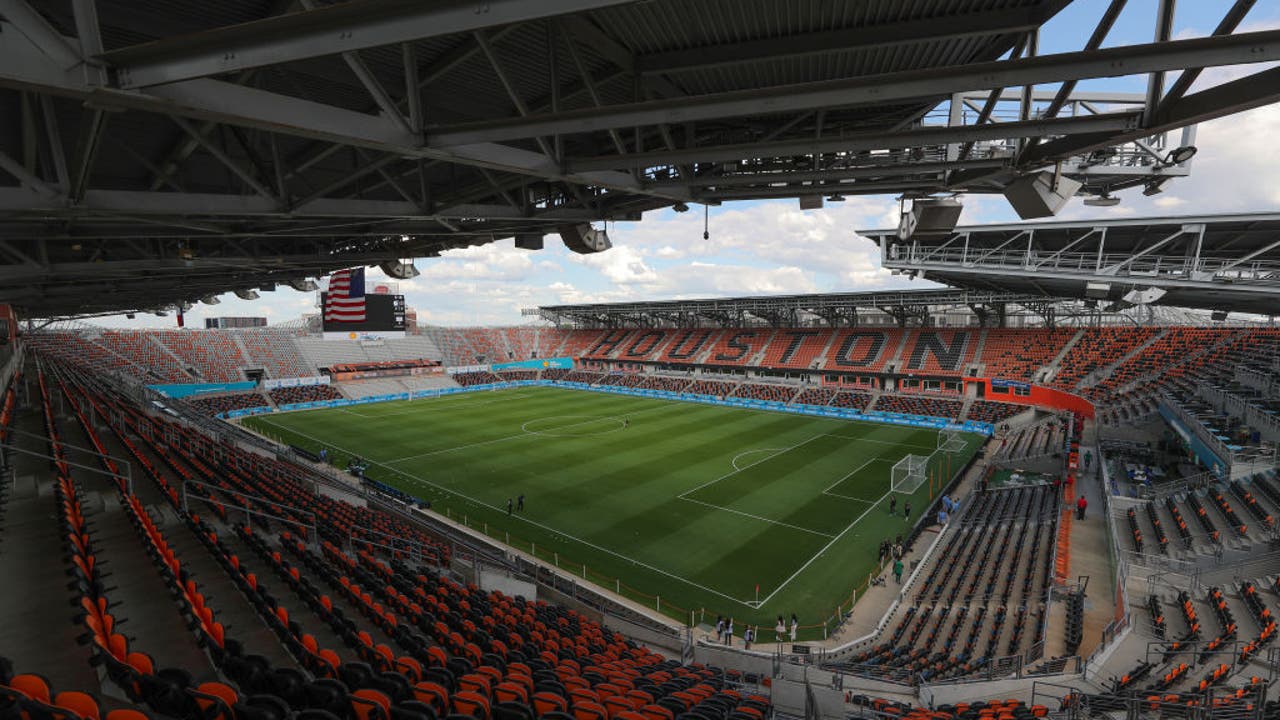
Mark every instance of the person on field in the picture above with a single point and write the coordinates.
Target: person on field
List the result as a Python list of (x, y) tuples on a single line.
[(897, 571), (720, 629), (749, 636), (728, 632), (893, 504), (795, 627), (508, 506), (906, 511), (780, 630), (520, 503)]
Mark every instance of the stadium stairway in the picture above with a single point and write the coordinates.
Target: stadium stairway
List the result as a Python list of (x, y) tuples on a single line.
[(235, 611), (30, 544), (1100, 374), (137, 587)]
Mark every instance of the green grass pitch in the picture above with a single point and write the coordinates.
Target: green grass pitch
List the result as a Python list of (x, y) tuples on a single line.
[(697, 504)]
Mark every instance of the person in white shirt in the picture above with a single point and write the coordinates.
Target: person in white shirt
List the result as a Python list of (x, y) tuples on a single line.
[(795, 627)]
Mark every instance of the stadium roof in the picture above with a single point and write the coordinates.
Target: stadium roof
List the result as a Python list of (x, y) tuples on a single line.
[(783, 310), (158, 152), (1226, 263)]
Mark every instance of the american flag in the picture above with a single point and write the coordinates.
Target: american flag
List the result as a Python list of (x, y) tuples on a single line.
[(345, 300)]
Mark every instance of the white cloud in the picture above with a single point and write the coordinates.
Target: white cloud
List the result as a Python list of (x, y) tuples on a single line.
[(495, 261), (622, 265)]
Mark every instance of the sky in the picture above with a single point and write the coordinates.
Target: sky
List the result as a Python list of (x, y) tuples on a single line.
[(772, 247)]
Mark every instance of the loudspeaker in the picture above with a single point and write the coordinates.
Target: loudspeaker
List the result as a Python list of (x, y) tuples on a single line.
[(399, 270), (1035, 196), (930, 218), (584, 239), (810, 202), (529, 241)]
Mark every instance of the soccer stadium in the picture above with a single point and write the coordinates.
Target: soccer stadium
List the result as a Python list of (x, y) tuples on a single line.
[(1027, 469)]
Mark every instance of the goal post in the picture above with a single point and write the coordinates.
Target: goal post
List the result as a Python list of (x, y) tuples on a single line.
[(950, 441), (908, 474)]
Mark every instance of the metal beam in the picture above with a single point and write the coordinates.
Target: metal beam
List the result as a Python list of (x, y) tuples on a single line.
[(26, 177), (22, 67), (866, 37), (830, 175), (223, 158), (40, 34), (110, 203), (1229, 23), (1155, 81), (939, 135), (345, 27), (1261, 88), (1249, 256), (1100, 32), (881, 89), (865, 188), (1113, 269)]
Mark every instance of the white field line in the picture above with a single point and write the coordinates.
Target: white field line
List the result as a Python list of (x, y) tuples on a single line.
[(851, 474), (826, 547), (525, 433), (757, 517), (736, 470), (734, 461), (554, 531), (882, 442), (746, 603)]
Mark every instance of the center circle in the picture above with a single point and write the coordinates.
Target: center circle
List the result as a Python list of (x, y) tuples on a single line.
[(572, 426)]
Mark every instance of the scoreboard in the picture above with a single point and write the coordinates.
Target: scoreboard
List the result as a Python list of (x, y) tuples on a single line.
[(382, 313)]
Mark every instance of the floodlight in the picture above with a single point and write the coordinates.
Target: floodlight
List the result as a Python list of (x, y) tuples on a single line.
[(1180, 155)]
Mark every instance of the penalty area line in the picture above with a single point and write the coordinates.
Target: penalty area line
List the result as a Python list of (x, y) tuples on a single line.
[(758, 517), (826, 547)]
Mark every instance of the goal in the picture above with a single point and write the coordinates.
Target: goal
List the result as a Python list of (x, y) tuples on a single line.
[(908, 474), (950, 441)]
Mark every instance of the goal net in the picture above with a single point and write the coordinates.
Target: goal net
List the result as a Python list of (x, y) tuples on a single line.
[(950, 441), (908, 474)]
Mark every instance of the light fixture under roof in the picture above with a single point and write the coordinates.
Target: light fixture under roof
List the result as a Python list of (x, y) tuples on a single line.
[(835, 198), (1177, 156), (1103, 200)]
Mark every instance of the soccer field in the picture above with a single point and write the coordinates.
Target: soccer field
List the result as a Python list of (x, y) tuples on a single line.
[(698, 504)]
